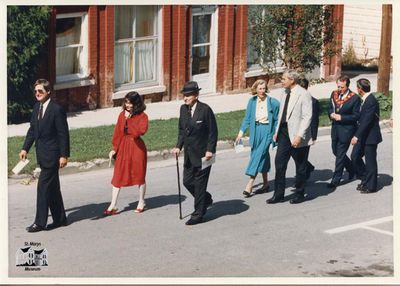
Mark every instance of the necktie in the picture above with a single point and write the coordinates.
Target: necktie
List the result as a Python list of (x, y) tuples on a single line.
[(341, 96), (283, 120), (41, 111), (190, 111)]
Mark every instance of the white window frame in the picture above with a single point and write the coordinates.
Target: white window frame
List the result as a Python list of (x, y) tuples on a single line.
[(156, 81), (84, 44)]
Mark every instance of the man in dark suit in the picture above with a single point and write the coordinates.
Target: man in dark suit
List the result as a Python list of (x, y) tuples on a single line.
[(49, 130), (198, 135), (303, 82), (366, 139), (344, 111)]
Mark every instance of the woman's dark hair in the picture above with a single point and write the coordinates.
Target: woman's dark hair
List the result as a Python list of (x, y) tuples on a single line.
[(137, 102)]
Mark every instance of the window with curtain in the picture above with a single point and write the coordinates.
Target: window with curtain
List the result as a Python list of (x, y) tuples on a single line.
[(136, 45), (71, 46)]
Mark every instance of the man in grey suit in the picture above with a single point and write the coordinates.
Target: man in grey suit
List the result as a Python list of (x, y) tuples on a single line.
[(292, 135)]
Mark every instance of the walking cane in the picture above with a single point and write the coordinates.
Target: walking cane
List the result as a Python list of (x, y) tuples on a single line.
[(179, 187)]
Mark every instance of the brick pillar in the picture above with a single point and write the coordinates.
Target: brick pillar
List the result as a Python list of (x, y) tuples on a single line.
[(225, 48), (240, 48), (166, 49), (179, 49), (332, 67), (106, 55), (93, 99)]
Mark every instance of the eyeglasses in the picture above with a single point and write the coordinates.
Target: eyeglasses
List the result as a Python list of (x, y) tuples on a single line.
[(40, 91)]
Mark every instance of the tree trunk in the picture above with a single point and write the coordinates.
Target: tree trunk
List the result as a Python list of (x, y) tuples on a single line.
[(385, 49)]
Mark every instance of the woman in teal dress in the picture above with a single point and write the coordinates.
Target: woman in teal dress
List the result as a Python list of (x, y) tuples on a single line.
[(261, 119)]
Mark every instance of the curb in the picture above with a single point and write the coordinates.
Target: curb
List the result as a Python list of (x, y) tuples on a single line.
[(98, 164)]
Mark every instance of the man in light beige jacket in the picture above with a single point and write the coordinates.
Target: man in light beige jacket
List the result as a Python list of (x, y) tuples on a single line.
[(292, 135)]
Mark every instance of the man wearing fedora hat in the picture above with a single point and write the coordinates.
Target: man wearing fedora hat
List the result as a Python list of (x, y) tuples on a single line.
[(198, 134)]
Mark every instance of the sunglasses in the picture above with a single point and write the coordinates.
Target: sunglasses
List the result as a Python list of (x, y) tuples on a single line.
[(40, 91)]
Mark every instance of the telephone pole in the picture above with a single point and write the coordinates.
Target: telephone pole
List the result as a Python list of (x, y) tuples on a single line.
[(385, 50)]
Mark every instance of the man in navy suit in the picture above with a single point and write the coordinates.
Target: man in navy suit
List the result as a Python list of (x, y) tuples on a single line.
[(366, 139), (198, 134), (344, 111), (49, 131)]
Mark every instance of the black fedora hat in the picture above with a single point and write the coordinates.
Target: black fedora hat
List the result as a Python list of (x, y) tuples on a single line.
[(190, 87)]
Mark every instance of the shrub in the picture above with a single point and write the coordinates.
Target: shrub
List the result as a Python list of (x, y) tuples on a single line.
[(27, 33), (349, 55), (385, 102)]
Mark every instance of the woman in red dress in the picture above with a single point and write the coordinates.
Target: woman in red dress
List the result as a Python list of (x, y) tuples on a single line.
[(130, 151)]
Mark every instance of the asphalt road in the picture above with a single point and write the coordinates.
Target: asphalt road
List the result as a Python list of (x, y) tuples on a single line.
[(332, 234)]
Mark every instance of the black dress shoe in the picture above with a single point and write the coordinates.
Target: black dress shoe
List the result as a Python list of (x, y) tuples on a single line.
[(34, 228), (193, 221), (297, 199), (360, 187), (262, 190), (56, 225), (246, 194), (332, 186), (367, 191), (275, 200)]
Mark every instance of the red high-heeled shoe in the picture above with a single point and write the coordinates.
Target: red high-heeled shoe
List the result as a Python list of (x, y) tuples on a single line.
[(111, 212), (140, 210)]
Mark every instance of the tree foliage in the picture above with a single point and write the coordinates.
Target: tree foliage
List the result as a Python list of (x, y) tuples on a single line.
[(27, 33), (300, 36)]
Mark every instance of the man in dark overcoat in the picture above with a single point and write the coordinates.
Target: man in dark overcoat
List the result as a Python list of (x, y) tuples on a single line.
[(198, 135)]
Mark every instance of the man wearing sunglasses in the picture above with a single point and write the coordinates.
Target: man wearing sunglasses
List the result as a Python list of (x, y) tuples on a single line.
[(49, 131)]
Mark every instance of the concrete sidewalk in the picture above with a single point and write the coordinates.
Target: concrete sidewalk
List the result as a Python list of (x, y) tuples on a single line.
[(170, 109)]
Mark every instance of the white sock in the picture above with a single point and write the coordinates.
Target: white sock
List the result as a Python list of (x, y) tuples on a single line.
[(142, 191), (115, 192)]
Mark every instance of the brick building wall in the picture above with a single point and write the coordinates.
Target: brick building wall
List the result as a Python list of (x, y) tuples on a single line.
[(98, 90)]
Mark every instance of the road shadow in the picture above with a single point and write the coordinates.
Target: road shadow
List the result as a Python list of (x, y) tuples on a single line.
[(315, 185), (321, 175), (316, 176), (223, 208), (95, 211), (384, 180), (90, 211), (156, 202)]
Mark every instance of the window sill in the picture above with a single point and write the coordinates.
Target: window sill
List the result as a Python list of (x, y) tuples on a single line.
[(141, 91), (74, 83), (258, 72)]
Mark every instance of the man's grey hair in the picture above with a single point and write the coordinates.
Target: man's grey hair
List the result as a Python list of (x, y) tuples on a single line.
[(292, 74)]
